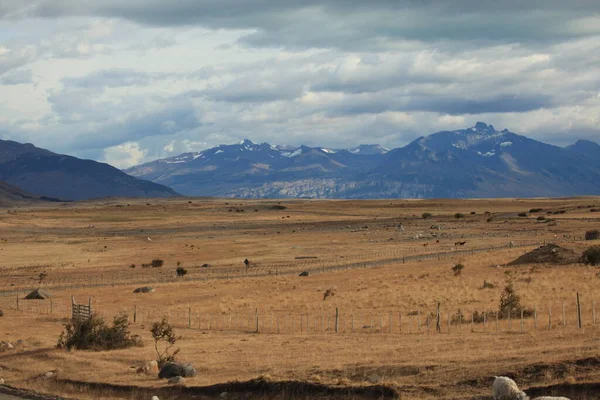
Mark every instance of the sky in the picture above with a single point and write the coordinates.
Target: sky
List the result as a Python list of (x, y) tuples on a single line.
[(126, 82)]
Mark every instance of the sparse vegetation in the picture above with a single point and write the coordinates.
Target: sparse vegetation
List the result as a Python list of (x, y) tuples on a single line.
[(522, 214), (165, 339), (488, 285), (591, 256), (329, 293), (510, 303), (457, 269), (535, 210), (459, 215), (157, 263), (131, 265), (541, 218), (94, 334), (181, 271), (426, 215), (42, 276), (592, 235)]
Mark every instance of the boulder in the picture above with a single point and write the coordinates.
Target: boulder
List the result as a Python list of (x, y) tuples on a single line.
[(150, 368), (145, 289), (1, 381), (171, 369), (176, 380)]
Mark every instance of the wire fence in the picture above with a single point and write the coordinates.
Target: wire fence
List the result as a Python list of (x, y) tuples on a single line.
[(439, 320), (146, 276)]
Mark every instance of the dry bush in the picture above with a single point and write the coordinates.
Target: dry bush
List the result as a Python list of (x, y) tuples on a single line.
[(164, 339), (94, 334), (591, 256), (592, 235)]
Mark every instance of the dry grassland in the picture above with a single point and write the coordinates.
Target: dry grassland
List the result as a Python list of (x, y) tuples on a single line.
[(98, 241)]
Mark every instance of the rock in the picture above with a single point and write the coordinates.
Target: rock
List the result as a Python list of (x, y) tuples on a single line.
[(154, 398), (150, 368), (48, 374), (1, 381), (145, 289), (176, 380), (171, 369), (305, 273)]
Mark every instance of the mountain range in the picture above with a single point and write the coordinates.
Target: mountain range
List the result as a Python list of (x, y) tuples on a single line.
[(55, 176), (474, 162)]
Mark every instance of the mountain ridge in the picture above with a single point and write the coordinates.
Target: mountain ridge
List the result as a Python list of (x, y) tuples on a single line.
[(474, 162), (47, 174)]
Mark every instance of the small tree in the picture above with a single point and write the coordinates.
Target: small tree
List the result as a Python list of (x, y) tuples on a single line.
[(457, 269), (42, 276), (510, 302), (592, 235), (164, 341), (181, 271), (426, 215), (591, 256)]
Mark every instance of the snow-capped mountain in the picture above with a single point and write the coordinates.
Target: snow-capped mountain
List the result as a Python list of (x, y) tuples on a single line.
[(474, 162)]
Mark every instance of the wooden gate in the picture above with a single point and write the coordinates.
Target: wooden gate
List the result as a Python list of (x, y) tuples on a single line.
[(80, 312)]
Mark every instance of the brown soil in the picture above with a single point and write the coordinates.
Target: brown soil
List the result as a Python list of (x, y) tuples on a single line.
[(548, 254)]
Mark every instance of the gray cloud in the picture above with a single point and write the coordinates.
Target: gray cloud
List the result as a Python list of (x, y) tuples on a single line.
[(346, 24), (17, 77)]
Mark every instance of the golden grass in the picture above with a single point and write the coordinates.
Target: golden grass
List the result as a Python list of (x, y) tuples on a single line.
[(68, 243)]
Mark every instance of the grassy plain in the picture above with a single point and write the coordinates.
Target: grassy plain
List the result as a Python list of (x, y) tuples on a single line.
[(95, 243)]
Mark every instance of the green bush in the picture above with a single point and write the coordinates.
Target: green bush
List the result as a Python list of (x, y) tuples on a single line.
[(94, 334), (592, 235), (591, 256), (510, 303), (426, 215)]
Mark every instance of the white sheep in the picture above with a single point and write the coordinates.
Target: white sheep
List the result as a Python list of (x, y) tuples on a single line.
[(550, 398), (505, 388), (155, 398)]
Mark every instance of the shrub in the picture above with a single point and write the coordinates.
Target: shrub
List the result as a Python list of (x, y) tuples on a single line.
[(457, 269), (592, 235), (164, 340), (490, 219), (594, 210), (181, 271), (426, 215), (535, 210), (541, 218), (157, 263), (459, 215), (591, 256), (522, 214), (488, 285), (510, 303), (94, 334), (473, 213), (329, 293), (131, 265)]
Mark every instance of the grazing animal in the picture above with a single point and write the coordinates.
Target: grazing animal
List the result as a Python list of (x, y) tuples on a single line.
[(505, 388), (461, 243), (425, 244), (437, 241), (550, 398), (247, 263)]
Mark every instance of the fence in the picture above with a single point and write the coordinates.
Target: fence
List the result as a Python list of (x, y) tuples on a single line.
[(372, 259), (576, 314)]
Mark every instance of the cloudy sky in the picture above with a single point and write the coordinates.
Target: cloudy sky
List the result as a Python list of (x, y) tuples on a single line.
[(129, 81)]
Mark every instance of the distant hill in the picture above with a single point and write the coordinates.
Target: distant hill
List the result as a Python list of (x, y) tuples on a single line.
[(10, 194), (53, 175), (475, 162)]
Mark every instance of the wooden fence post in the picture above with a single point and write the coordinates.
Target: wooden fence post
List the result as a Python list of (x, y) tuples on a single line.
[(418, 320), (134, 312), (189, 317), (51, 307), (337, 319), (534, 317), (521, 321), (400, 321), (256, 312), (579, 323), (438, 326), (549, 318)]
